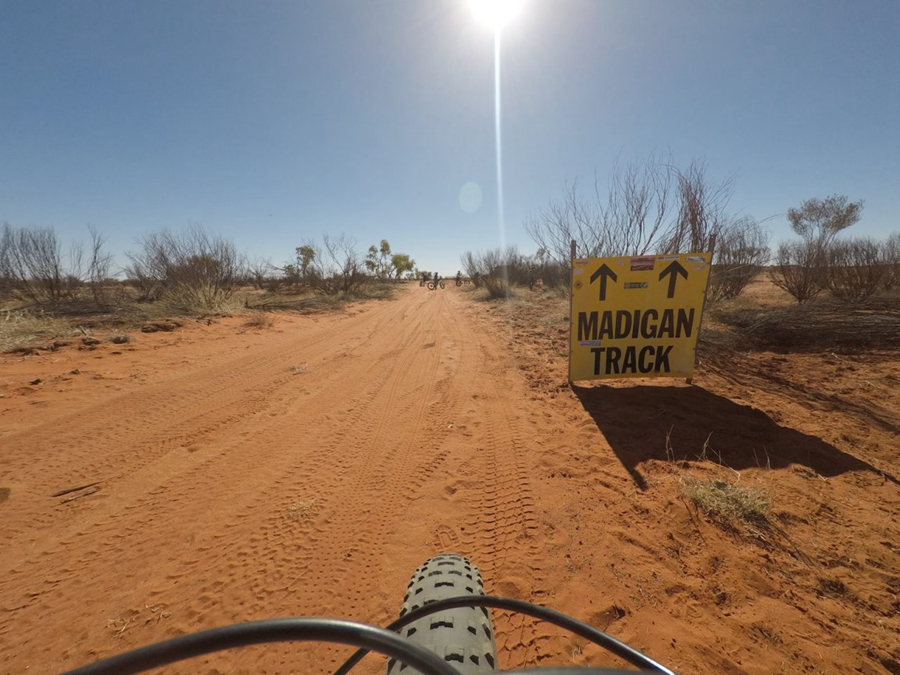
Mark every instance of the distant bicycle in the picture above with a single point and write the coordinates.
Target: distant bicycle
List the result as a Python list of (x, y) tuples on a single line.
[(462, 282), (432, 286)]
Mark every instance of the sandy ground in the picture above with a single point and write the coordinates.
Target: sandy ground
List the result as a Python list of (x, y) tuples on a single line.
[(308, 469)]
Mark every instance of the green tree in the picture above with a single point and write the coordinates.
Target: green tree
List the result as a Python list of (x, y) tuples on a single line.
[(385, 261), (379, 260), (372, 260), (402, 263), (801, 267), (822, 219), (305, 256)]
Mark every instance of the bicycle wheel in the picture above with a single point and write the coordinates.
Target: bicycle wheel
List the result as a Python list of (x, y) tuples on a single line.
[(442, 284), (464, 637), (430, 285)]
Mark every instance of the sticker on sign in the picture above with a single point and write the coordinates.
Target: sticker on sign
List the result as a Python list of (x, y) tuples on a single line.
[(644, 264), (637, 316)]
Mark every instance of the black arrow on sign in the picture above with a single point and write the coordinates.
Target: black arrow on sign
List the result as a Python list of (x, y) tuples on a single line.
[(604, 273), (673, 271)]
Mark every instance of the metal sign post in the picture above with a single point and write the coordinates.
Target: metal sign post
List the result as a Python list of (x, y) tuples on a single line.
[(571, 299), (712, 253)]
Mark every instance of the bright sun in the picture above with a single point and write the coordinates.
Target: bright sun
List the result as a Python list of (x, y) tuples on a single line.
[(495, 13)]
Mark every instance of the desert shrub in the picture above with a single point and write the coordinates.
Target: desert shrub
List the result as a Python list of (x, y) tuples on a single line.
[(497, 286), (147, 269), (742, 250), (259, 273), (192, 268), (142, 275), (855, 269), (650, 207), (891, 260), (333, 268), (701, 211), (7, 283), (470, 267), (520, 270), (498, 270), (630, 215), (729, 504), (99, 267), (260, 320), (550, 272), (799, 268), (494, 274), (33, 267), (32, 264)]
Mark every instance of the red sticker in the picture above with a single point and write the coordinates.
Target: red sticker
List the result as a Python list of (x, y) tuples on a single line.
[(644, 264)]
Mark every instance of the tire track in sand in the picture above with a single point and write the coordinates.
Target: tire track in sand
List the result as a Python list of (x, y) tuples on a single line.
[(504, 542)]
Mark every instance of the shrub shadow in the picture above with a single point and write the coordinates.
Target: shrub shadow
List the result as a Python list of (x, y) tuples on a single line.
[(636, 421)]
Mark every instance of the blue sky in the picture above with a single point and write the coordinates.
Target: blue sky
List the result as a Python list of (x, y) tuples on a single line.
[(276, 121)]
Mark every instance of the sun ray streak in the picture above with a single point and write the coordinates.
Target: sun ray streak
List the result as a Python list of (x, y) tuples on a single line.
[(501, 224)]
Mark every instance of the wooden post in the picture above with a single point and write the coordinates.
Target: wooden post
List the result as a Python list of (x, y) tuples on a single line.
[(572, 253), (712, 252)]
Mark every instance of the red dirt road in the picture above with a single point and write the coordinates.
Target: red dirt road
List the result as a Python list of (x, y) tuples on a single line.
[(233, 489), (307, 470)]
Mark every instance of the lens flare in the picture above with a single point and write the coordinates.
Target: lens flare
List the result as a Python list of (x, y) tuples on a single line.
[(496, 13), (470, 197)]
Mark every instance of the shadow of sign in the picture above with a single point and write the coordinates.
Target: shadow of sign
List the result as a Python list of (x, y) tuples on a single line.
[(636, 420)]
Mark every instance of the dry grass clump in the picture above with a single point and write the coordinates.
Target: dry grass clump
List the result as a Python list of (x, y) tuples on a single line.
[(306, 302), (19, 329), (822, 325), (261, 320), (730, 504), (300, 510)]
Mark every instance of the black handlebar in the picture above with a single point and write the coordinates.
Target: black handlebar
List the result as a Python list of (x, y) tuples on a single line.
[(579, 628), (272, 630), (366, 638)]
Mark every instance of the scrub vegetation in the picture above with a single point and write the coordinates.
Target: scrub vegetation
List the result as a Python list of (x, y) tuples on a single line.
[(656, 208), (51, 290), (730, 504), (839, 292)]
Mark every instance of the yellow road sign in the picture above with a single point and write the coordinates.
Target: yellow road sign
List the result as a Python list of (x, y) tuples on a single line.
[(636, 316)]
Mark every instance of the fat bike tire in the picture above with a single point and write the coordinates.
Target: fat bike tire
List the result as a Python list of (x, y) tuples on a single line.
[(463, 637)]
